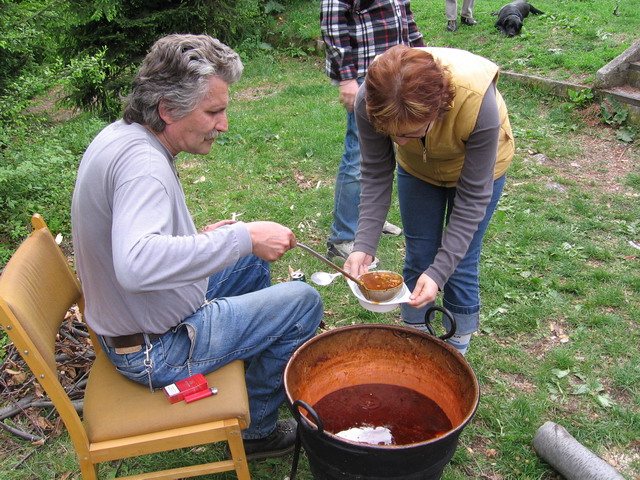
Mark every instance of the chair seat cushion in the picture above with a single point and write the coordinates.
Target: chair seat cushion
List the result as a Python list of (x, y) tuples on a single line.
[(116, 407)]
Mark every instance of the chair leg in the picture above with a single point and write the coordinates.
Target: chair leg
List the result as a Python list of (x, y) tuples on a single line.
[(236, 446), (88, 470)]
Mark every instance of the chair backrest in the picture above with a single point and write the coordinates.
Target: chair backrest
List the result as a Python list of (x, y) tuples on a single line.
[(37, 288)]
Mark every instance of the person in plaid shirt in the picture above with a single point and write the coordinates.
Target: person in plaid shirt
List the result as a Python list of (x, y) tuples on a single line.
[(354, 32)]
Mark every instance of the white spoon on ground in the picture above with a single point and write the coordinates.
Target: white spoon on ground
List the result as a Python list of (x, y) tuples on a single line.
[(324, 278)]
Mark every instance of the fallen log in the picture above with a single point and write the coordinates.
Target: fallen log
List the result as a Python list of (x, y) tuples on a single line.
[(569, 457), (18, 432)]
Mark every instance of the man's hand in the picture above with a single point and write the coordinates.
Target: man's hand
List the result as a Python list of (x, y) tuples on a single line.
[(424, 293), (270, 240), (358, 263), (348, 91), (219, 224)]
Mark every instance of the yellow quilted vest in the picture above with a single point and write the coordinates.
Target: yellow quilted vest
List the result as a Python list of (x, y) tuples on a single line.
[(440, 161)]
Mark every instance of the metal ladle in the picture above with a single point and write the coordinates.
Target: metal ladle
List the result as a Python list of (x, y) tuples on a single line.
[(325, 278), (381, 295), (331, 264)]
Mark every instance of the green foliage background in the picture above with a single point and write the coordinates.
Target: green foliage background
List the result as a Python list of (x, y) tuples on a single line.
[(117, 35), (81, 55), (91, 47)]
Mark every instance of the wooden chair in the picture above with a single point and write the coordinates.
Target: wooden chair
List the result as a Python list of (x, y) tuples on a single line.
[(121, 418)]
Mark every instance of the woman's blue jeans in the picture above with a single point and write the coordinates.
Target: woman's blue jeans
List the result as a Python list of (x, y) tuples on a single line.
[(425, 209), (244, 318)]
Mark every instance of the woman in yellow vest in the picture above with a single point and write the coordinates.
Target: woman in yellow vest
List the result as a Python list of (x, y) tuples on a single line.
[(438, 114)]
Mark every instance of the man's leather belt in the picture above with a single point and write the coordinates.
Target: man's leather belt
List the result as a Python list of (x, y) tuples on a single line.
[(133, 340)]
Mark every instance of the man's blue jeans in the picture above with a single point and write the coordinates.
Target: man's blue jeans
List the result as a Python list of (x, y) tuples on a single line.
[(244, 318), (425, 210), (346, 201)]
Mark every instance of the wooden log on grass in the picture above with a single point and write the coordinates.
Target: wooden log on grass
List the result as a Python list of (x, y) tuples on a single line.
[(569, 457)]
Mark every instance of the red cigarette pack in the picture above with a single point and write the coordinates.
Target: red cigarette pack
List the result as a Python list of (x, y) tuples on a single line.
[(183, 388)]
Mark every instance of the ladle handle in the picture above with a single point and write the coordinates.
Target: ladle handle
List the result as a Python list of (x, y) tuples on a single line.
[(331, 264), (446, 313)]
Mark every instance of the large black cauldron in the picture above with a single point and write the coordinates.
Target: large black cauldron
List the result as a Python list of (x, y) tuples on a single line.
[(392, 355)]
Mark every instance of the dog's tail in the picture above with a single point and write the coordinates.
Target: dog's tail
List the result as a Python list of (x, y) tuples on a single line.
[(534, 10), (495, 13)]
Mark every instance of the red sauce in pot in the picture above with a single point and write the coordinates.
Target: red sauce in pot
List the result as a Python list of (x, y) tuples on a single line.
[(410, 416)]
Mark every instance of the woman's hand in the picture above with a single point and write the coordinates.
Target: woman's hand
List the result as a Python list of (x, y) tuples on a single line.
[(358, 263), (424, 293)]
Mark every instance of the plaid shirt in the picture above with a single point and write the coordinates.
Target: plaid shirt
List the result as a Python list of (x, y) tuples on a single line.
[(355, 31)]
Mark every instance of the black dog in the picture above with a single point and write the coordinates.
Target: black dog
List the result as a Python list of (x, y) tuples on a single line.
[(511, 15)]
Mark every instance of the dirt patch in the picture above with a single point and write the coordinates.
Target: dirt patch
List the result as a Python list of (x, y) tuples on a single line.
[(605, 162), (622, 460), (254, 93), (303, 182), (602, 164), (48, 105)]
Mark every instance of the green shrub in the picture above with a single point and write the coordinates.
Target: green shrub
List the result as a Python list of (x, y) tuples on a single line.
[(107, 43), (25, 42), (37, 175), (94, 85), (580, 98)]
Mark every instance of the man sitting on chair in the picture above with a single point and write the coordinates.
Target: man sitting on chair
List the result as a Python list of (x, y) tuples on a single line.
[(167, 301)]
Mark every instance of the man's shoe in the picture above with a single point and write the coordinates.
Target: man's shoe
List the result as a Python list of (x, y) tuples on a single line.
[(278, 443), (391, 230), (339, 252), (452, 26), (468, 21)]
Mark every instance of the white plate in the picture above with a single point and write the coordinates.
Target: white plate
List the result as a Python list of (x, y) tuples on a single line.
[(380, 307)]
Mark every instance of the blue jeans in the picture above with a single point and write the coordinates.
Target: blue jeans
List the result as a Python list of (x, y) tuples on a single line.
[(425, 210), (346, 201), (244, 319)]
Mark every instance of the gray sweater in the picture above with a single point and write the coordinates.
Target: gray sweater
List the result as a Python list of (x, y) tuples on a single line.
[(142, 264)]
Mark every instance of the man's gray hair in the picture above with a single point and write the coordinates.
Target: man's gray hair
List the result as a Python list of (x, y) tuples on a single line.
[(177, 70)]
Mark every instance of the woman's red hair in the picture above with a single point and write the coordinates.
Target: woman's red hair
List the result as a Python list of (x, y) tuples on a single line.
[(406, 87)]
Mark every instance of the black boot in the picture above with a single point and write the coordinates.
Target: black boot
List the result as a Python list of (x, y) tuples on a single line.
[(280, 442)]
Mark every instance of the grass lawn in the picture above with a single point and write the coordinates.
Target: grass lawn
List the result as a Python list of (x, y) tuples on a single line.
[(561, 263), (571, 41)]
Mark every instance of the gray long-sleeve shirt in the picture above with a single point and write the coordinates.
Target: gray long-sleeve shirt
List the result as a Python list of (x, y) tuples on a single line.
[(473, 190), (142, 264)]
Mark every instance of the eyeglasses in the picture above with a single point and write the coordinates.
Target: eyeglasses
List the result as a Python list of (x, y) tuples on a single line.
[(423, 131), (408, 136)]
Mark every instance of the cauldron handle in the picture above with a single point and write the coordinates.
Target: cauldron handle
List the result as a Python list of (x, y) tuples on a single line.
[(314, 416), (445, 312)]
